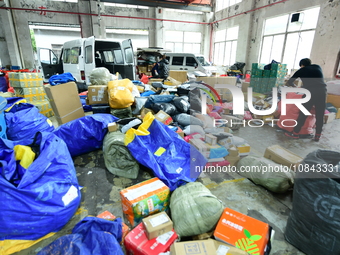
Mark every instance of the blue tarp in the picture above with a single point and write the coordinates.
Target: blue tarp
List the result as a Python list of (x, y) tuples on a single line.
[(90, 236), (61, 78), (85, 134)]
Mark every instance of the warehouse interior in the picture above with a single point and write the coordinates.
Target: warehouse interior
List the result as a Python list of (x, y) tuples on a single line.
[(224, 32)]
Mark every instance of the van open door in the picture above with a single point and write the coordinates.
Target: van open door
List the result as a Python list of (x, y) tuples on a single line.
[(130, 67), (89, 61), (49, 63)]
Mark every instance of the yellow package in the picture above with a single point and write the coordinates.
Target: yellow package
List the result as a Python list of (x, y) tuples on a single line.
[(120, 93)]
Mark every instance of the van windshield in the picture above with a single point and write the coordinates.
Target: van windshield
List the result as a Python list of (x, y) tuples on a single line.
[(203, 61)]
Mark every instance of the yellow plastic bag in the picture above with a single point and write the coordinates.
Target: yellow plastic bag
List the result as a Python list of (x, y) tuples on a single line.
[(120, 93)]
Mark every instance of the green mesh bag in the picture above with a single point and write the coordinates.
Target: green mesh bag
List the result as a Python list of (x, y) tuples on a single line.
[(194, 210)]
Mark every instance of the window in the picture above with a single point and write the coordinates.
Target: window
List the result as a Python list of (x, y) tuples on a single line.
[(225, 46), (88, 54), (74, 55), (190, 61), (180, 41), (129, 55), (118, 57), (66, 56), (222, 4), (286, 41), (177, 61), (108, 56)]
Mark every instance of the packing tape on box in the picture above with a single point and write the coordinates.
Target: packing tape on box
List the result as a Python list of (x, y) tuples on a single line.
[(31, 94), (26, 83), (60, 117), (44, 108)]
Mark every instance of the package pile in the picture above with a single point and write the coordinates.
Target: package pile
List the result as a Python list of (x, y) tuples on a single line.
[(30, 87)]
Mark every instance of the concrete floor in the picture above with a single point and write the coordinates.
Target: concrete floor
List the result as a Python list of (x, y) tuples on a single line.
[(101, 188)]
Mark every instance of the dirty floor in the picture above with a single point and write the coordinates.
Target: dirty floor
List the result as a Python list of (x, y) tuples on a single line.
[(101, 188)]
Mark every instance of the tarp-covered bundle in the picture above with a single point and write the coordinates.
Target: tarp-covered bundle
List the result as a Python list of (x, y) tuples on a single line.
[(85, 134), (118, 159), (194, 210), (157, 147), (314, 223), (90, 236), (39, 190), (266, 173)]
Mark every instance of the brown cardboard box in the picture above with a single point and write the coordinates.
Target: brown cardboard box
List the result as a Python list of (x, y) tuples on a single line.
[(154, 80), (245, 86), (112, 127), (201, 146), (282, 156), (227, 80), (204, 247), (164, 117), (329, 117), (180, 76), (210, 139), (65, 102), (334, 100), (157, 224), (97, 94)]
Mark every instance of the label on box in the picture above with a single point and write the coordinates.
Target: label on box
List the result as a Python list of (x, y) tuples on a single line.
[(222, 250), (150, 205), (163, 239), (161, 115), (143, 190), (159, 220)]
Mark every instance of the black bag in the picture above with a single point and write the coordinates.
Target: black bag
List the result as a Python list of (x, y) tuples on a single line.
[(314, 222)]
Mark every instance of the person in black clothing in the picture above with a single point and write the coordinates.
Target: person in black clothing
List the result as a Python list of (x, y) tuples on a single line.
[(154, 71), (312, 79), (163, 68)]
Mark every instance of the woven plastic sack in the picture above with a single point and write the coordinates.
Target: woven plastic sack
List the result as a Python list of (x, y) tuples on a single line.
[(45, 196), (120, 93), (313, 225), (100, 76), (118, 159), (194, 210), (277, 180)]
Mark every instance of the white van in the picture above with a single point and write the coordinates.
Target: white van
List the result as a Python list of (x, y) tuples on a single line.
[(193, 63), (79, 57)]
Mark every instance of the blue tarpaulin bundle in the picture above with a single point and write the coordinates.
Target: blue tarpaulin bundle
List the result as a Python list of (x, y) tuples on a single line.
[(24, 120), (157, 147), (61, 78), (90, 236), (39, 198), (85, 134)]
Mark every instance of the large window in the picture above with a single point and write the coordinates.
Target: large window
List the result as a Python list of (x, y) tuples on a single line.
[(180, 41), (289, 38), (222, 4), (225, 46)]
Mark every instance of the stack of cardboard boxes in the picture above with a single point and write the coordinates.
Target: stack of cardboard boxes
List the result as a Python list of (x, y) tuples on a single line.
[(30, 87)]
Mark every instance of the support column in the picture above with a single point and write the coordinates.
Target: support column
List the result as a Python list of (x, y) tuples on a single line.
[(98, 23), (9, 49), (159, 31), (85, 21), (152, 28)]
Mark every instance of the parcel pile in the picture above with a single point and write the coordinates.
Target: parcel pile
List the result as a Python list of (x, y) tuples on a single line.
[(176, 129)]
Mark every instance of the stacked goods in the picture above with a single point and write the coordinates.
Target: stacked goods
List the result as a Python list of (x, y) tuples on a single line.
[(262, 81), (30, 86)]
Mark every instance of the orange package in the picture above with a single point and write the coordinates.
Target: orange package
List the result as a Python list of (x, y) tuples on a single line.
[(242, 231), (144, 199), (106, 215)]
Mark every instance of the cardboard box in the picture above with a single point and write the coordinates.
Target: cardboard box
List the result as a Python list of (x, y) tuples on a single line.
[(201, 146), (282, 156), (163, 117), (181, 76), (44, 108), (137, 243), (112, 127), (210, 139), (245, 86), (329, 117), (204, 247), (157, 224), (64, 100), (243, 149), (97, 94), (334, 100), (242, 231), (144, 199), (154, 80), (106, 215)]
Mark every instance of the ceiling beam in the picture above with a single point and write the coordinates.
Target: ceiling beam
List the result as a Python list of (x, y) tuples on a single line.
[(163, 4)]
